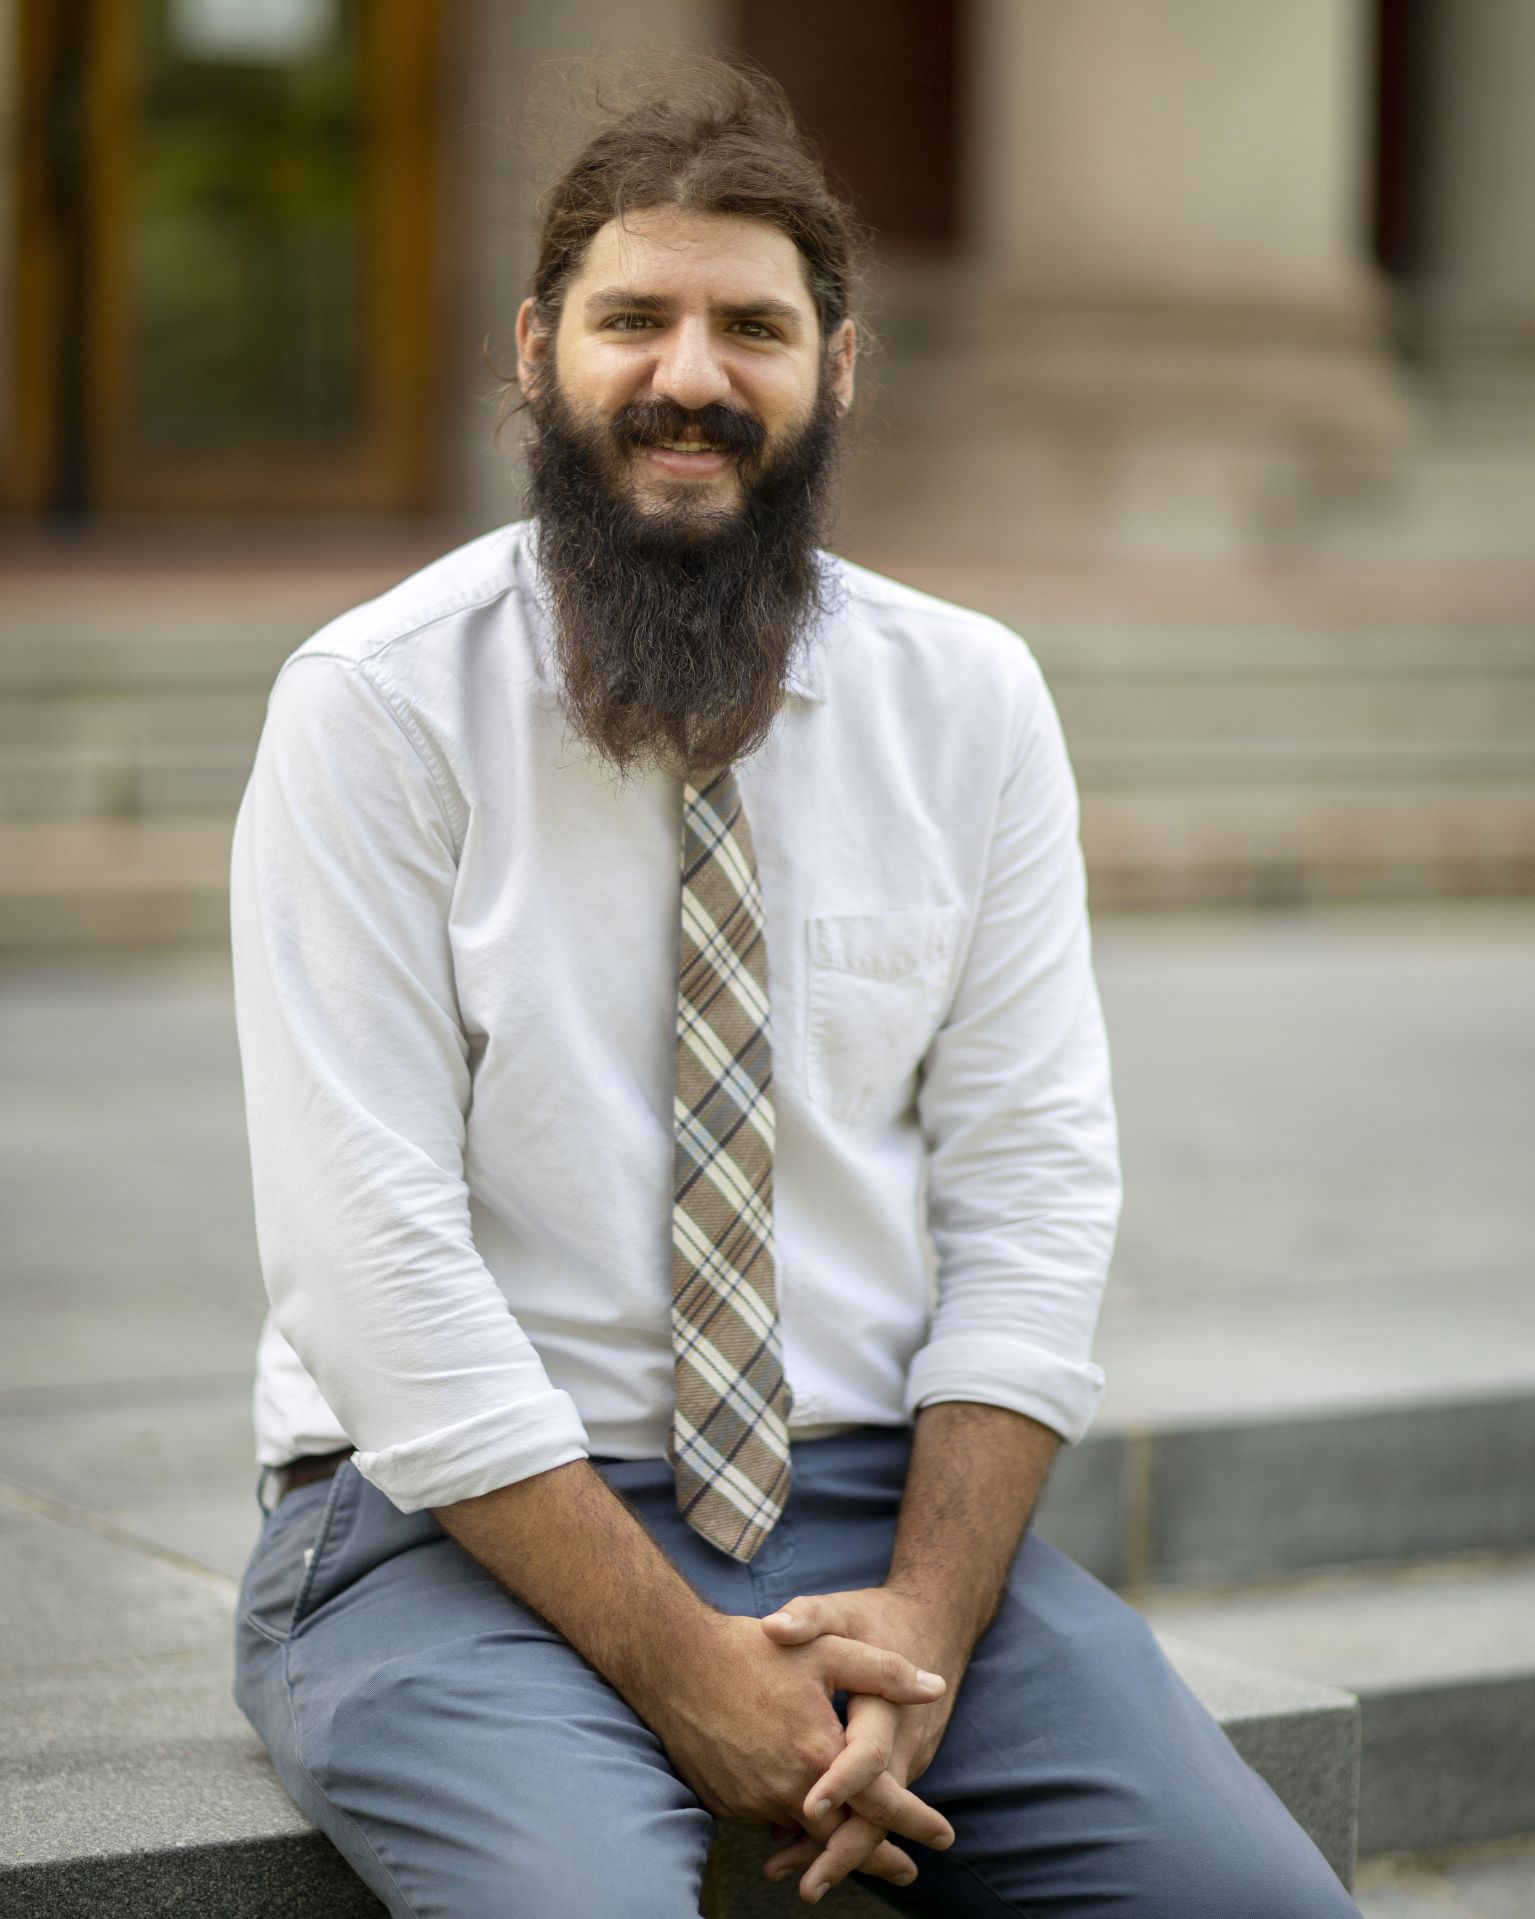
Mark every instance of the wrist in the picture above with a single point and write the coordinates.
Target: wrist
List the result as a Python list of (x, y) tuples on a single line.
[(946, 1625), (665, 1654)]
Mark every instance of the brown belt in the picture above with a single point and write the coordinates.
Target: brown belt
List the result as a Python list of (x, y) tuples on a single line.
[(305, 1471)]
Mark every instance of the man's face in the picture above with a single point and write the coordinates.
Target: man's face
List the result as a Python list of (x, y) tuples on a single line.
[(691, 339)]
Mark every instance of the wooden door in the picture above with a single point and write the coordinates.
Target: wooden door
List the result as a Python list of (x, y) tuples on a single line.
[(225, 258)]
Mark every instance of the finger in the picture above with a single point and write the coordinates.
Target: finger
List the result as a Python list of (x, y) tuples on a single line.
[(853, 1666), (856, 1846), (806, 1618), (857, 1766), (793, 1858), (887, 1861), (890, 1805), (807, 1848)]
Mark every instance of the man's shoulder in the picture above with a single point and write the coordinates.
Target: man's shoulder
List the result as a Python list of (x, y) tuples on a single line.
[(920, 630), (470, 577)]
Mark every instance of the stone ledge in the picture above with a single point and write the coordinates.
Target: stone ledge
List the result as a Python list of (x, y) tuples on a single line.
[(129, 1781)]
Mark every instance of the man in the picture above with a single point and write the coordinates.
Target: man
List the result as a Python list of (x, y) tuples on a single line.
[(655, 942)]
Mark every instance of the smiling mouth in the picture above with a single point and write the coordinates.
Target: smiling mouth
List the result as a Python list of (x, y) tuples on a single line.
[(687, 459)]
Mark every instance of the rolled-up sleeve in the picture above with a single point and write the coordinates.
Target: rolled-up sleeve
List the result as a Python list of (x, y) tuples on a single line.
[(357, 1087), (1017, 1110)]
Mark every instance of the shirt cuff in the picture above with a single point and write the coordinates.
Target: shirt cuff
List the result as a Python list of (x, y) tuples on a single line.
[(1062, 1394), (491, 1450)]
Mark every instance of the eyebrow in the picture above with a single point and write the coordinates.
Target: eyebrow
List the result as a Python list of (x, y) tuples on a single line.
[(729, 310)]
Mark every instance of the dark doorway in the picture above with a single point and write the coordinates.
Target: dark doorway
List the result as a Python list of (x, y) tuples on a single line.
[(876, 82)]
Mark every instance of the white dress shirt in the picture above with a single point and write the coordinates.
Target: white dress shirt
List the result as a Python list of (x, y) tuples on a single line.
[(455, 947)]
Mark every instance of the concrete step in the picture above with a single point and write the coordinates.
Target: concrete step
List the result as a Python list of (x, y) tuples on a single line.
[(1170, 845), (1324, 750), (1442, 1658), (123, 781), (1232, 1499), (82, 882), (130, 1783), (1257, 842), (1459, 493)]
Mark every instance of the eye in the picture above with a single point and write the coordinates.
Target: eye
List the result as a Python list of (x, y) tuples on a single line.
[(629, 322), (757, 330)]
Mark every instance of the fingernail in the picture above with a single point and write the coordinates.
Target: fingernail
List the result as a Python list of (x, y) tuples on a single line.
[(903, 1879), (822, 1807), (819, 1894), (779, 1619), (929, 1679)]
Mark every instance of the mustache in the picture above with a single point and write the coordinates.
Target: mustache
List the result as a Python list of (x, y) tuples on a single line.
[(643, 422)]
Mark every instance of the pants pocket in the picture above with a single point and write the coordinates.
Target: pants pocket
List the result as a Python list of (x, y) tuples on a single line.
[(279, 1587), (324, 1547)]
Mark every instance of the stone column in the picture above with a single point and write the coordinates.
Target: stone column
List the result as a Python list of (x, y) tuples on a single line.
[(1475, 106), (513, 78), (1168, 202), (1167, 314)]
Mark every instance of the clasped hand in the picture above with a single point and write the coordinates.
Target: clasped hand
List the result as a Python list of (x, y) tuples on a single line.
[(749, 1723), (886, 1746)]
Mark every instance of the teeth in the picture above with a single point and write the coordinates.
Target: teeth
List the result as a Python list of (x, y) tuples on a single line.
[(687, 446)]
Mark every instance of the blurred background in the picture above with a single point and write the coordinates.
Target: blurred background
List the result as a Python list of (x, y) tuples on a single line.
[(1207, 361)]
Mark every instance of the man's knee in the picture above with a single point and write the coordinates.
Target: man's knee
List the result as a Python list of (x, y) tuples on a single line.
[(1202, 1891), (1240, 1854)]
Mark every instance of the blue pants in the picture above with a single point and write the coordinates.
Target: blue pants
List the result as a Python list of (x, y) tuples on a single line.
[(471, 1765)]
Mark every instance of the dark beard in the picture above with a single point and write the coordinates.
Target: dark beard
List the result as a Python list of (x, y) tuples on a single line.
[(675, 630)]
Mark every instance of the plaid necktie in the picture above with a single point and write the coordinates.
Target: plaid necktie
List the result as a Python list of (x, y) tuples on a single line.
[(730, 1431)]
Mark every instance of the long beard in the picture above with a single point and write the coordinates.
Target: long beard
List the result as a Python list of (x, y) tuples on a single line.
[(675, 629)]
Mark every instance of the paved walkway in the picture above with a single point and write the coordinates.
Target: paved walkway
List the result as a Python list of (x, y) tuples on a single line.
[(1472, 1882)]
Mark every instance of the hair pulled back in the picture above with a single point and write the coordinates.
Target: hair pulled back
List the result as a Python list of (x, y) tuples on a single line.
[(716, 136)]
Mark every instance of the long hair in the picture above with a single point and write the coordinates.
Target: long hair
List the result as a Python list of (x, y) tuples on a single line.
[(713, 136)]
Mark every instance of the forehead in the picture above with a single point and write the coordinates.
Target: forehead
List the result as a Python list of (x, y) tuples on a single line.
[(724, 258)]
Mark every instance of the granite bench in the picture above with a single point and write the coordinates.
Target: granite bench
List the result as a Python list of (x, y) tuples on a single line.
[(130, 1783)]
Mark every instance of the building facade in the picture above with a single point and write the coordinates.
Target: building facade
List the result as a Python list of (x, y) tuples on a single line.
[(1158, 277)]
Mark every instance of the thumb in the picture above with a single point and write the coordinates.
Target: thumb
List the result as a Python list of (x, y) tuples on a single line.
[(807, 1618)]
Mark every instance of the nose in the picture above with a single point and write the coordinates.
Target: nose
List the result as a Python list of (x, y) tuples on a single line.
[(688, 367)]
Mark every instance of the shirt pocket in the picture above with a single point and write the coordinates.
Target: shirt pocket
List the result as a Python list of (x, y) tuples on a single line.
[(879, 983)]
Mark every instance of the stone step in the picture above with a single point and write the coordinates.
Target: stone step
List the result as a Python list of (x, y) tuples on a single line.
[(111, 759), (1258, 843), (1182, 1503), (130, 1783), (127, 780), (1441, 1656), (159, 881), (1460, 497), (1219, 758), (74, 877), (1440, 679)]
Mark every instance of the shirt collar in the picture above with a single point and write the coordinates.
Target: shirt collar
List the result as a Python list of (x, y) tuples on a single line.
[(806, 677)]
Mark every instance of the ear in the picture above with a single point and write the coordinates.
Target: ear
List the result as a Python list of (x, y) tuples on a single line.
[(842, 351), (535, 345)]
